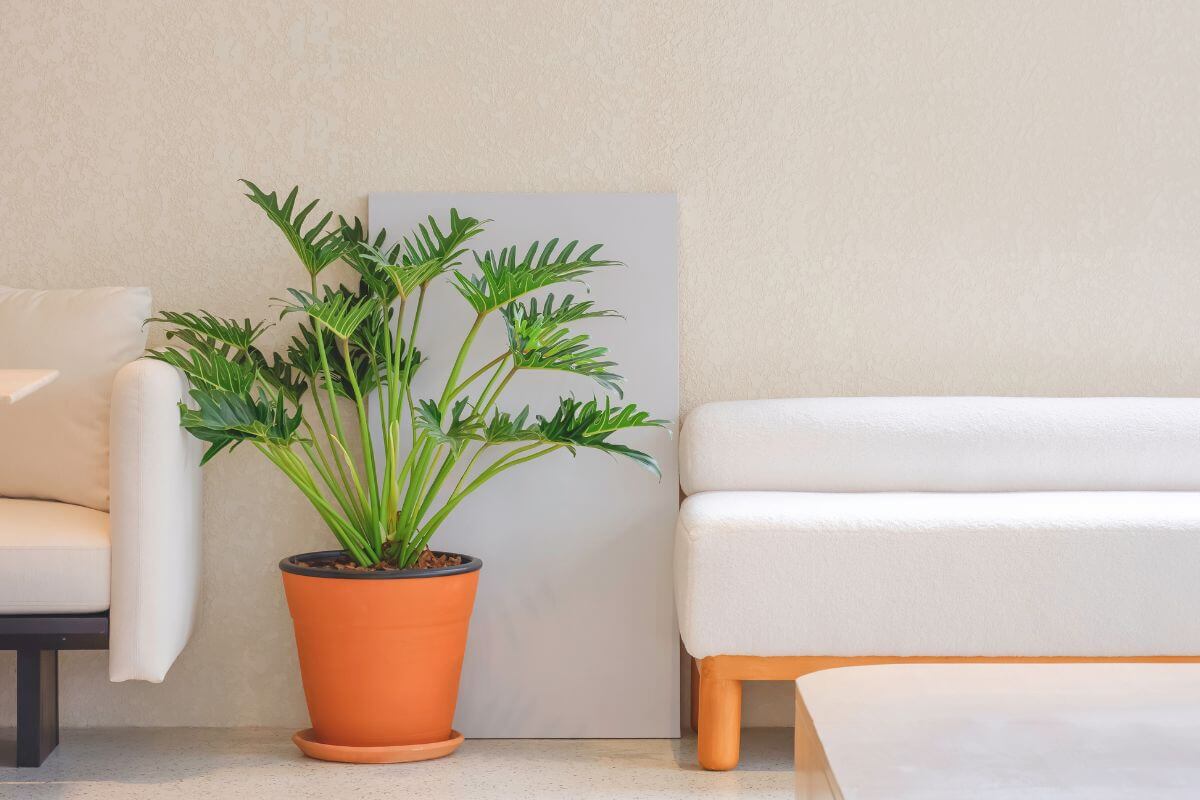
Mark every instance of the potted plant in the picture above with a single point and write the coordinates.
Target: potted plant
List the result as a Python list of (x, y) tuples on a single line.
[(381, 621)]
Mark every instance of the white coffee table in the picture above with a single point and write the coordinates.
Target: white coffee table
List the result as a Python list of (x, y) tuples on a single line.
[(18, 383), (987, 731)]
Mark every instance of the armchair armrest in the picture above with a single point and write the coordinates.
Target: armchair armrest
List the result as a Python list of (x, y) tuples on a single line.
[(154, 476)]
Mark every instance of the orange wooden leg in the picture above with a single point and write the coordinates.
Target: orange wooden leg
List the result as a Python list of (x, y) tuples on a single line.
[(720, 734), (694, 708)]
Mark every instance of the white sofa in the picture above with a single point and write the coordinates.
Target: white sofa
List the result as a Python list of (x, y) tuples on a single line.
[(99, 499), (837, 531)]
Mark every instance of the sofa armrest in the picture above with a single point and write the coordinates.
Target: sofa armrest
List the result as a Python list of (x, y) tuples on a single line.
[(155, 522)]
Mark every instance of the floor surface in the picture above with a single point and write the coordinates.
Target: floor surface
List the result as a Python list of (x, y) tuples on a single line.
[(262, 764)]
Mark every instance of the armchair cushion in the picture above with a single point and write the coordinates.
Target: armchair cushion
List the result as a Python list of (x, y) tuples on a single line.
[(56, 442), (54, 558)]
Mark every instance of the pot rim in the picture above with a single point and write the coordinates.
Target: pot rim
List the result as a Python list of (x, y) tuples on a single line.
[(289, 565)]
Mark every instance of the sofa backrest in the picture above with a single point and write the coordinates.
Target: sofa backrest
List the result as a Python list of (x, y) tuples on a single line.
[(942, 444), (54, 443)]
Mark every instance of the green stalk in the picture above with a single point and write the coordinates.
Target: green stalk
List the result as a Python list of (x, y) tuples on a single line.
[(333, 406), (502, 464), (386, 405), (470, 466), (411, 517), (418, 444), (488, 386), (420, 473), (362, 494), (327, 476), (452, 381), (286, 461), (474, 375), (431, 493), (363, 429), (412, 345), (341, 470), (492, 400)]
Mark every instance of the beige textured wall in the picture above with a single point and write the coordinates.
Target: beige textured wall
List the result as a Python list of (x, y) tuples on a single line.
[(936, 197)]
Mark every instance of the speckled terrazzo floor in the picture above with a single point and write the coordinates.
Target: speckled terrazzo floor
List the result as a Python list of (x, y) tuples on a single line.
[(262, 764)]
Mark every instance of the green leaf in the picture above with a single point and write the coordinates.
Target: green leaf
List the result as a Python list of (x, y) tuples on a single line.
[(506, 277), (368, 360), (204, 330), (225, 419), (280, 374), (316, 247), (340, 312), (418, 259), (209, 368), (577, 424), (504, 428), (460, 429), (361, 254), (538, 340)]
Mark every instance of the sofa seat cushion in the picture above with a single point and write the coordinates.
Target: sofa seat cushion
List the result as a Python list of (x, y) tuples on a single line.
[(54, 558), (939, 574)]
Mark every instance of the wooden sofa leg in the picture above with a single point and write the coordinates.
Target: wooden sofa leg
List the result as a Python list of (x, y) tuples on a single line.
[(720, 734), (37, 705), (694, 700)]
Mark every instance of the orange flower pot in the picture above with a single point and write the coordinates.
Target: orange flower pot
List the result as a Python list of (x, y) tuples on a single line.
[(380, 656)]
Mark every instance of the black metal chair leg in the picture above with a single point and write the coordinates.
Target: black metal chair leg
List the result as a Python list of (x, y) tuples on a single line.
[(37, 705)]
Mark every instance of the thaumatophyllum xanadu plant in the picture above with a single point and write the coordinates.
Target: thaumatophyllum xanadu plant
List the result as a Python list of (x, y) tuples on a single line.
[(353, 344)]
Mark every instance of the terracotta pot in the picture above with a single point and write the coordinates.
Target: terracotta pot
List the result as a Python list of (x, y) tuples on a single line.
[(380, 652)]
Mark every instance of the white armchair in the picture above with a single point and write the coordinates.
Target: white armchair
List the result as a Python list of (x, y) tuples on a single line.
[(99, 500)]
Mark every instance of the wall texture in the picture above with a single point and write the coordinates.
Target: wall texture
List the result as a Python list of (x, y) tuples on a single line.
[(943, 197)]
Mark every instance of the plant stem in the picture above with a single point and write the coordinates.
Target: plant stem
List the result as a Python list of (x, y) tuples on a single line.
[(346, 535), (333, 406), (452, 381), (492, 400), (488, 386), (368, 449), (337, 462), (435, 487), (386, 406), (471, 378), (500, 465), (322, 468), (469, 467)]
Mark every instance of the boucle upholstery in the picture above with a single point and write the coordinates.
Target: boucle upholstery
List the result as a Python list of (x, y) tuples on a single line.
[(942, 444), (941, 526)]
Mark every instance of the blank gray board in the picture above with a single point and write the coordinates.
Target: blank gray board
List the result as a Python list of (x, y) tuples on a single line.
[(574, 631)]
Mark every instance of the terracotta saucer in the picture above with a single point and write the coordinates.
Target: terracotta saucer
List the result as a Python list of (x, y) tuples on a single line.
[(394, 754)]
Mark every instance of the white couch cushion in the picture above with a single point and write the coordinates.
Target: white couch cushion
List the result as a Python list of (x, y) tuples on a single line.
[(56, 441), (54, 558), (997, 574), (942, 444)]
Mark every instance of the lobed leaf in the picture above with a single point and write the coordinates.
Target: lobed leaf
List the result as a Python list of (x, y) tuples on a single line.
[(225, 419), (417, 259), (205, 330), (461, 428), (342, 313), (316, 247), (577, 424), (504, 278), (209, 368), (538, 340)]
